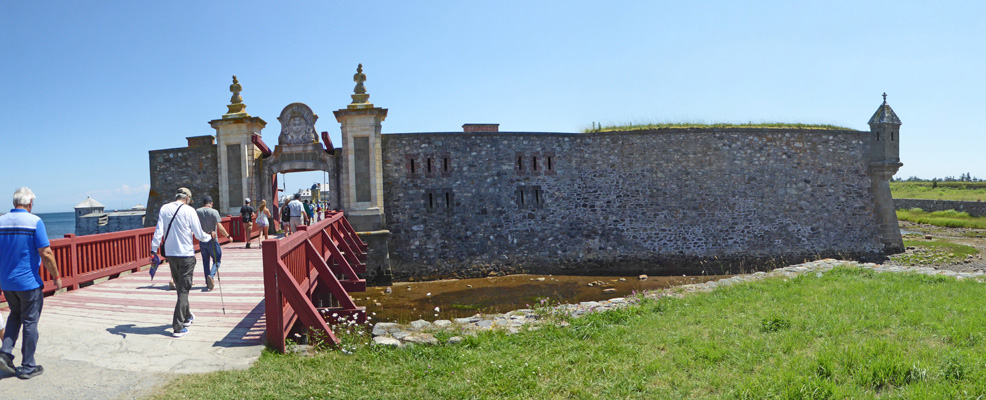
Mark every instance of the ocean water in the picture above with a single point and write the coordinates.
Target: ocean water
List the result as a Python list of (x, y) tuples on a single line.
[(58, 224)]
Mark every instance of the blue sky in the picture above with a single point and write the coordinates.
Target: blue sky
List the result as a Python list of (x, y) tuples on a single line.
[(88, 88)]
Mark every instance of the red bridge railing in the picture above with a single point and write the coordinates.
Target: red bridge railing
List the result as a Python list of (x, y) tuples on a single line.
[(83, 259), (304, 271)]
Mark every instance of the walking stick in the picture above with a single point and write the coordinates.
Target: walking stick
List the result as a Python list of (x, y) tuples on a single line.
[(220, 279)]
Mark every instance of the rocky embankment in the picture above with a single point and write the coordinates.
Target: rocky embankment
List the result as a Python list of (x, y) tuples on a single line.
[(423, 332)]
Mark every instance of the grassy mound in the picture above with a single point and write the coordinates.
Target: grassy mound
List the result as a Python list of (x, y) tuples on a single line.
[(717, 125), (848, 333), (961, 191)]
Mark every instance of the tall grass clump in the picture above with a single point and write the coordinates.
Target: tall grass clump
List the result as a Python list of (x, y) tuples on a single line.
[(947, 218)]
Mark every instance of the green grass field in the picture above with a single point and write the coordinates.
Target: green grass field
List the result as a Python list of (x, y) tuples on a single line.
[(962, 191), (719, 125), (850, 333), (948, 218)]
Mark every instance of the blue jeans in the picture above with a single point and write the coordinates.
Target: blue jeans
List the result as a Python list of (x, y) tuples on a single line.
[(210, 251), (25, 310)]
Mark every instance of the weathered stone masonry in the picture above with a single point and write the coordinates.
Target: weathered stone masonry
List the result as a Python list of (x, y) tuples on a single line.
[(469, 203), (624, 201), (194, 167)]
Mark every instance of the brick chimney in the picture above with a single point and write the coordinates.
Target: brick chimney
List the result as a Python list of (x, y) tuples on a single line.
[(469, 128)]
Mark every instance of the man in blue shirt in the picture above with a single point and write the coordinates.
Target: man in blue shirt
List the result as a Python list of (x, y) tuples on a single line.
[(23, 247)]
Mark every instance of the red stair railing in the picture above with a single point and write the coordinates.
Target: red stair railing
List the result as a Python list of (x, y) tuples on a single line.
[(317, 262)]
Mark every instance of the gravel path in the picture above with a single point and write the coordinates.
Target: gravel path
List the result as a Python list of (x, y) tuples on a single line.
[(64, 379)]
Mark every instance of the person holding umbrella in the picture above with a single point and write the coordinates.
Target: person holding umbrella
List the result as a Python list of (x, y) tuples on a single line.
[(211, 224)]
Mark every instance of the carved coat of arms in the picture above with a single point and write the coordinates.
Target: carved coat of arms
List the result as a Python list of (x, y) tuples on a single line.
[(297, 125)]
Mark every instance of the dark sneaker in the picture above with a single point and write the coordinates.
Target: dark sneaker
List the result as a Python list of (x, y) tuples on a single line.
[(190, 320), (7, 364), (38, 370), (210, 283), (248, 245), (171, 285), (180, 333)]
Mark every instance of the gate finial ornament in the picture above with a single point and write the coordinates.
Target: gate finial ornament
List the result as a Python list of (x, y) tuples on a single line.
[(359, 95), (236, 105)]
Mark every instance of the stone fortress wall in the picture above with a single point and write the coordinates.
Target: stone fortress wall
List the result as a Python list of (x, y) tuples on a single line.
[(432, 205), (661, 201), (974, 208), (194, 167)]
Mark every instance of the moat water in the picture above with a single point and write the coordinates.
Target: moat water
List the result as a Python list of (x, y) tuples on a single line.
[(466, 297)]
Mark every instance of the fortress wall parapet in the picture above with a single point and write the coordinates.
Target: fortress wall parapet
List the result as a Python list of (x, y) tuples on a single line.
[(974, 208), (469, 203)]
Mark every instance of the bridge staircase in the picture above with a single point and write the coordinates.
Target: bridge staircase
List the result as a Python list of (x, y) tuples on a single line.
[(308, 278)]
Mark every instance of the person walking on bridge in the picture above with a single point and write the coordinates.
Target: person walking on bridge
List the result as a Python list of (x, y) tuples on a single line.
[(212, 225), (247, 214), (176, 224), (298, 214), (24, 247)]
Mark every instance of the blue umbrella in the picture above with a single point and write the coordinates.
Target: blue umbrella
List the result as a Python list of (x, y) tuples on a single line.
[(155, 262)]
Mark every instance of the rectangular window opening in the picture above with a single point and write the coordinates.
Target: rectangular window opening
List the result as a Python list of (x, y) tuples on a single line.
[(534, 163), (522, 197), (448, 200), (412, 165), (445, 164), (891, 136), (537, 197), (429, 164), (431, 200), (549, 163)]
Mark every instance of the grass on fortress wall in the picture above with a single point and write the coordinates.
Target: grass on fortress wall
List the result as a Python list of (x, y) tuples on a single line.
[(961, 191), (947, 218), (636, 126), (849, 333)]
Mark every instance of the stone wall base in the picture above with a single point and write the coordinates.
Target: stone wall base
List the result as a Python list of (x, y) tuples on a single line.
[(619, 266)]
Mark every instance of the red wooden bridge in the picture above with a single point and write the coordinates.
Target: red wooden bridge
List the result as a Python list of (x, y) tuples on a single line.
[(115, 316)]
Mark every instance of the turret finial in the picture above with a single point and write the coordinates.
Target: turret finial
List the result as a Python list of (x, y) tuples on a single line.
[(884, 97)]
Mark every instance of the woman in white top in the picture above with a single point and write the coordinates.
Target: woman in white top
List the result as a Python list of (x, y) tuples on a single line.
[(263, 218)]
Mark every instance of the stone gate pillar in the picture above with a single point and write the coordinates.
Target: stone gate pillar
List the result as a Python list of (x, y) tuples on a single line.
[(236, 153), (362, 167), (361, 180)]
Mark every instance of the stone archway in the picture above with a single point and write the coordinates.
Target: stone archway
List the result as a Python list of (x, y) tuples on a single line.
[(298, 150)]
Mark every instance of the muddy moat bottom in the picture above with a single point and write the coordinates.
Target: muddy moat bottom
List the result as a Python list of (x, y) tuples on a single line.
[(410, 301)]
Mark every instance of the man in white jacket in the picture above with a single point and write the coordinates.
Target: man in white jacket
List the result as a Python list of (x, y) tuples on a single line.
[(176, 223)]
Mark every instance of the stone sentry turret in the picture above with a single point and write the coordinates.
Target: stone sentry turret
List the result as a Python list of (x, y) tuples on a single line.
[(883, 162)]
